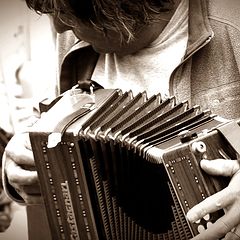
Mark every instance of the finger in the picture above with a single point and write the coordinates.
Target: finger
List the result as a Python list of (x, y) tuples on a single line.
[(221, 167), (211, 204), (17, 175), (19, 149), (27, 142), (221, 227), (21, 157)]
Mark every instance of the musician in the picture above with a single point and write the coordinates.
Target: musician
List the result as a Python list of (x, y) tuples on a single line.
[(186, 48)]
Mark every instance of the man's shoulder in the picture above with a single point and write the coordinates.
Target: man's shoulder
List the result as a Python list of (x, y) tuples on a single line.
[(226, 11)]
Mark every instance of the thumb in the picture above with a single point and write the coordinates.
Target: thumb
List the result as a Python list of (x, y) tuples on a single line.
[(220, 167)]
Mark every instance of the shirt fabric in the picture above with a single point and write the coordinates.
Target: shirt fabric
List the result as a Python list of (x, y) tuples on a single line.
[(151, 66)]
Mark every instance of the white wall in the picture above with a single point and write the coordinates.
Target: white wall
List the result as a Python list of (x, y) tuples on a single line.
[(25, 39)]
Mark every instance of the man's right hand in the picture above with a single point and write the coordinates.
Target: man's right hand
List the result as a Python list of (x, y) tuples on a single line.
[(20, 168)]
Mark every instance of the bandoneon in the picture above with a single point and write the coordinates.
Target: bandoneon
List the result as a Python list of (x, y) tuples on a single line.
[(118, 166)]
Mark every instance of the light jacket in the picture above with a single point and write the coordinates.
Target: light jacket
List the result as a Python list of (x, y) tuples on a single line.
[(209, 74)]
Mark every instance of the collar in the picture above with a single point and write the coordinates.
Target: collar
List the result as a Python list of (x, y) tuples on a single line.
[(200, 32)]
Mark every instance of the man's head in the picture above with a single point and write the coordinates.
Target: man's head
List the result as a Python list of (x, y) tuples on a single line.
[(122, 17)]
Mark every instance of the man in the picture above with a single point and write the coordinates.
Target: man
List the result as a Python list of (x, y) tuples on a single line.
[(5, 202), (187, 48)]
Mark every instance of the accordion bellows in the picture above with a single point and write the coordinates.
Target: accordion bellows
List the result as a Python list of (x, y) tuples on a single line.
[(117, 166)]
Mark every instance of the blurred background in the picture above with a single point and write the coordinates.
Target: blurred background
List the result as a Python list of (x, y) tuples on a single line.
[(27, 75), (27, 61)]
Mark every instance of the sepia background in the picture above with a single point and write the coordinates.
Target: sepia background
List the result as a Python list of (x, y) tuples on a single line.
[(27, 74)]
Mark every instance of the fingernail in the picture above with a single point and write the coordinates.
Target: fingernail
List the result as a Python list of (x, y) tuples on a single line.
[(206, 217), (192, 217), (204, 162)]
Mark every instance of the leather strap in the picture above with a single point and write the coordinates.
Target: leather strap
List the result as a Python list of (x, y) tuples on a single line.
[(77, 67), (84, 76), (55, 137), (75, 72), (87, 84), (231, 132)]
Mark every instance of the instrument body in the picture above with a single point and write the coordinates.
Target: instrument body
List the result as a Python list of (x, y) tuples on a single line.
[(120, 169), (189, 181)]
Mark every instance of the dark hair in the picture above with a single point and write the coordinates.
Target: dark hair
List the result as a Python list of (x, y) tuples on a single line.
[(122, 16)]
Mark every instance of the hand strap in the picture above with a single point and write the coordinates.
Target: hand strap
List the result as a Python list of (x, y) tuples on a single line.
[(87, 84), (231, 132)]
